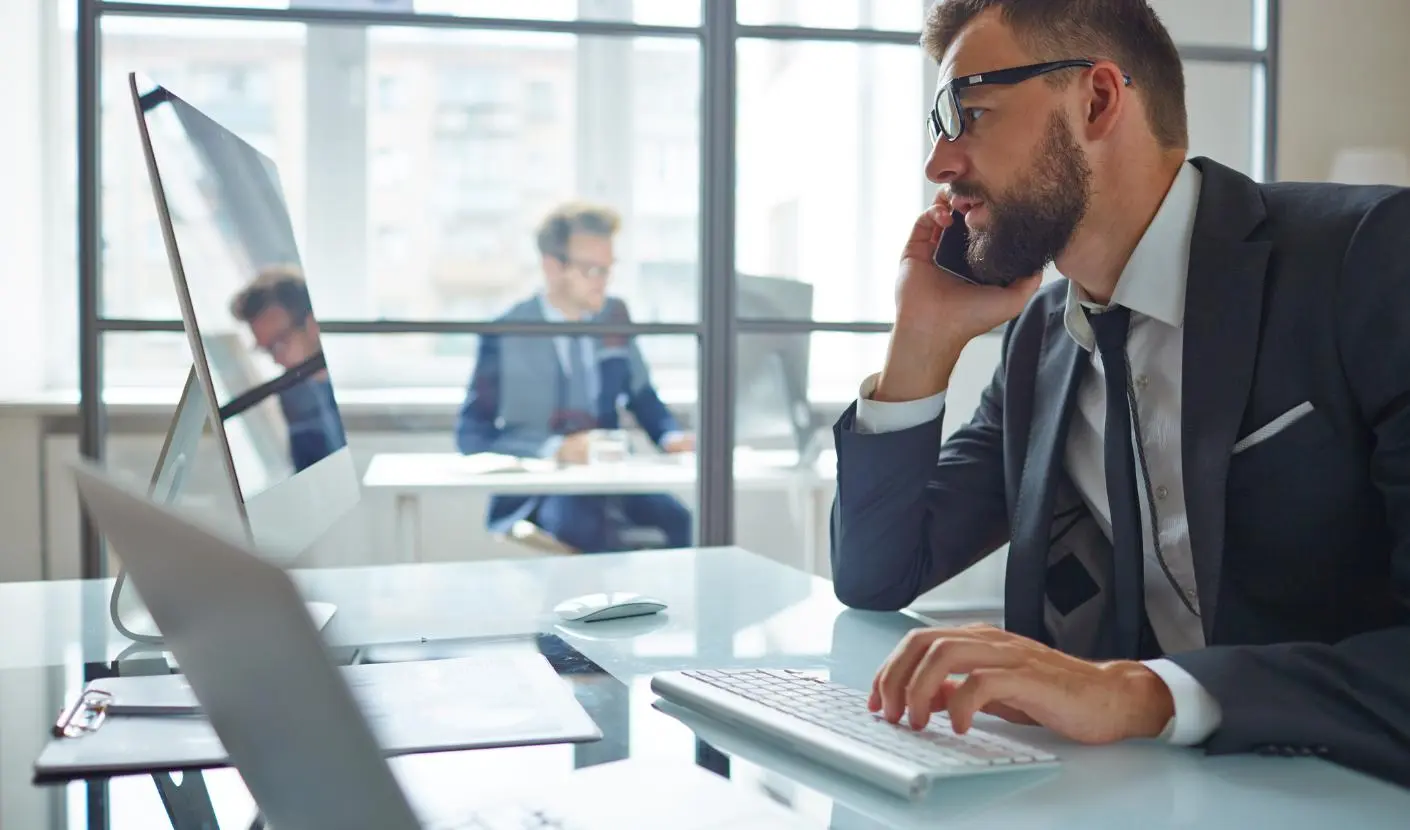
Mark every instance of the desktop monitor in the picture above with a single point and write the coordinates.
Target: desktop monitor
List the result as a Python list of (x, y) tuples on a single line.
[(771, 379), (249, 321), (771, 376)]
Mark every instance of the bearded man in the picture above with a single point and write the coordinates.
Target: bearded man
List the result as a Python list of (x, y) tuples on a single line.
[(1196, 445)]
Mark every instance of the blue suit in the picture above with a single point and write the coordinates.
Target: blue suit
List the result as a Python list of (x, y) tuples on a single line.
[(519, 403)]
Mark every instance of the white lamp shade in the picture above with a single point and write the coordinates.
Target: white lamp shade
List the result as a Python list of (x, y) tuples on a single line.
[(1371, 165)]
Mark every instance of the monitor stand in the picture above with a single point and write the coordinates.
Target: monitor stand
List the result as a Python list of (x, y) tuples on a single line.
[(183, 438)]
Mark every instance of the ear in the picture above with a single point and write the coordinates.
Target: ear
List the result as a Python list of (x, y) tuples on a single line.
[(1106, 97)]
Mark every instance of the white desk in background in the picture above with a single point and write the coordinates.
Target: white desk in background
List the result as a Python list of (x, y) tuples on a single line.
[(408, 476)]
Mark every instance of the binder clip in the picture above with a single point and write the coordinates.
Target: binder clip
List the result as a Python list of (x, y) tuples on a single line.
[(84, 716)]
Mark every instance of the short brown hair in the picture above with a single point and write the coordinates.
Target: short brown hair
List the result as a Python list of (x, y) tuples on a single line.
[(280, 285), (575, 217), (1125, 31)]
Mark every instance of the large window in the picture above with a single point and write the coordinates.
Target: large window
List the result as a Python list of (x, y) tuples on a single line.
[(829, 174), (417, 164), (663, 12), (37, 210), (418, 159)]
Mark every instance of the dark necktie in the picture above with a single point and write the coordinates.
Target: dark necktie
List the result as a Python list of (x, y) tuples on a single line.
[(580, 381), (1111, 328)]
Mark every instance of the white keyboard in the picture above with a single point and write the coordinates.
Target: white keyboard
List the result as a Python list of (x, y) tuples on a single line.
[(798, 699)]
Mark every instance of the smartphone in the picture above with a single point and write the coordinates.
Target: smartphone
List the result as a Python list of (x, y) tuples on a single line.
[(952, 254)]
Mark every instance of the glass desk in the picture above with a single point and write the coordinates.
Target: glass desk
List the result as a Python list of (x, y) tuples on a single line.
[(728, 609)]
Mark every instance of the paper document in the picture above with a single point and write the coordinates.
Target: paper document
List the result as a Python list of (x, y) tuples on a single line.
[(156, 694), (507, 696)]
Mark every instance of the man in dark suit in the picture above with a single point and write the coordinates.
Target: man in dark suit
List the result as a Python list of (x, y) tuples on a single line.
[(548, 397), (1196, 445)]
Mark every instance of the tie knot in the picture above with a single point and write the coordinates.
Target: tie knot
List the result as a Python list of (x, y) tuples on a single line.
[(1111, 327)]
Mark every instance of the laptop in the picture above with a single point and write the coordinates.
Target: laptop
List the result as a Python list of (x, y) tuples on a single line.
[(292, 727)]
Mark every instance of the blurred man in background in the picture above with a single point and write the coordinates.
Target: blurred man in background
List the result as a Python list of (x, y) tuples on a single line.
[(552, 397)]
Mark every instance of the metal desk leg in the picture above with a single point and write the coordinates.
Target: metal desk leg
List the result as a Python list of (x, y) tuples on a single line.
[(615, 709), (188, 804), (408, 527), (711, 759)]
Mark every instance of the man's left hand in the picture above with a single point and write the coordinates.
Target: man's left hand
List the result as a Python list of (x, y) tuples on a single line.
[(682, 442), (1021, 681)]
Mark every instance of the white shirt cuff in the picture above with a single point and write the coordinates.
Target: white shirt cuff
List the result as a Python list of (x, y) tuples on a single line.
[(549, 448), (894, 416), (668, 437), (1197, 713)]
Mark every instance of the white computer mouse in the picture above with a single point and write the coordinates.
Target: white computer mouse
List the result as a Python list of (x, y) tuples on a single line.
[(607, 606)]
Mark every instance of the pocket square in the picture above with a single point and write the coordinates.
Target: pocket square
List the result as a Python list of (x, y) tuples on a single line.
[(1274, 427)]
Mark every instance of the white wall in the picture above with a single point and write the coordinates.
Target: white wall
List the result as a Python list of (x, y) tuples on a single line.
[(21, 499), (1343, 81)]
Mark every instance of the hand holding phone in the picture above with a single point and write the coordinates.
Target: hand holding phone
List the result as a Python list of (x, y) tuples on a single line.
[(952, 253), (938, 289)]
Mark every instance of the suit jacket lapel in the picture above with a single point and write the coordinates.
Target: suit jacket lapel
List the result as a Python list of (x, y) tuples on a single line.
[(1223, 315), (1054, 388), (531, 358)]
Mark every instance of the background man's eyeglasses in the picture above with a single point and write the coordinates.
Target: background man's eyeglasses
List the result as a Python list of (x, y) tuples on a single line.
[(588, 269), (947, 116)]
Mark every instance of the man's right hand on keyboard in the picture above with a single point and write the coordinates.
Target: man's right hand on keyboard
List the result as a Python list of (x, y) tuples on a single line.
[(1019, 680)]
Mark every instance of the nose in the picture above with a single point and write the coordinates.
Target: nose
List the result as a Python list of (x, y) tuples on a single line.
[(946, 162)]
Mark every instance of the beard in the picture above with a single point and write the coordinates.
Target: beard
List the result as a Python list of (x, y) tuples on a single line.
[(1034, 221)]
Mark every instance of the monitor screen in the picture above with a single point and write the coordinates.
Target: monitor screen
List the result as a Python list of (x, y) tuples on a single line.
[(245, 301)]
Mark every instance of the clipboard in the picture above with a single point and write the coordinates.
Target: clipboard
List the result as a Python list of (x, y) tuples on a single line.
[(499, 699)]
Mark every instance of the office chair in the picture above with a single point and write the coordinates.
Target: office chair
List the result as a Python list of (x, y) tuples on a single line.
[(625, 537), (530, 535)]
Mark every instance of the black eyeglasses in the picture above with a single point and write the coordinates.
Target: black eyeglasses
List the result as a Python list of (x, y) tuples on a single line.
[(947, 117), (590, 270)]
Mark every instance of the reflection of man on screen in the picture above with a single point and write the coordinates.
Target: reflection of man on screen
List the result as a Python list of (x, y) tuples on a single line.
[(277, 308)]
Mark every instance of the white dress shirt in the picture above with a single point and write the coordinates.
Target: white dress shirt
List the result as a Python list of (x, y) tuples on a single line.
[(1152, 286)]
